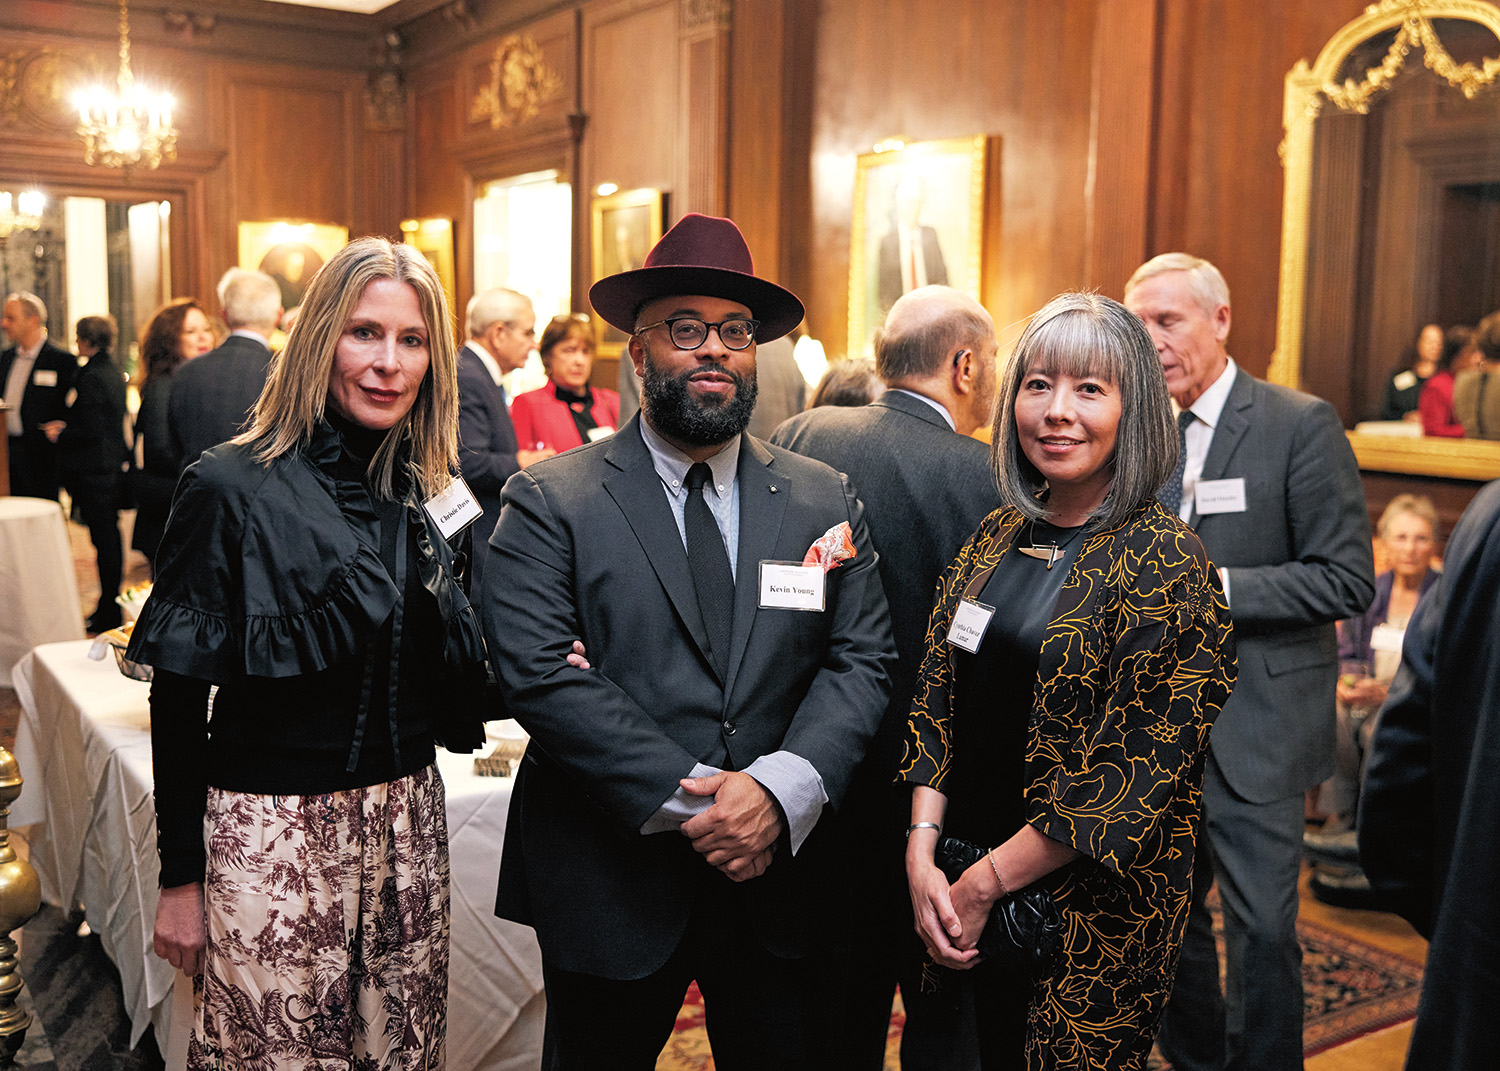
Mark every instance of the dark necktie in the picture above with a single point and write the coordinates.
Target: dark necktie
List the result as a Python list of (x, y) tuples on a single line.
[(1170, 495), (712, 578)]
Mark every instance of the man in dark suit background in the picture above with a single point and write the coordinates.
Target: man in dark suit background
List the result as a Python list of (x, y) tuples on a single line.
[(926, 484), (502, 331), (665, 820), (1270, 483), (36, 377), (212, 395)]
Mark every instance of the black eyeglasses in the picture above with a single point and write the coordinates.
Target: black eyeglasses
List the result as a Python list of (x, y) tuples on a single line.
[(689, 332)]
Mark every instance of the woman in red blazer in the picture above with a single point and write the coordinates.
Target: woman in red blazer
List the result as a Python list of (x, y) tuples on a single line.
[(567, 412)]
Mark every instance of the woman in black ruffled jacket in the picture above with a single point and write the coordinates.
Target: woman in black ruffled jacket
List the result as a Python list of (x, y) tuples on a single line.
[(301, 574)]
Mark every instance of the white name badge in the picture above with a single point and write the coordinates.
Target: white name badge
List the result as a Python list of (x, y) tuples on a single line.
[(1387, 638), (453, 508), (1405, 380), (970, 623), (595, 434), (1220, 496), (44, 377), (791, 586)]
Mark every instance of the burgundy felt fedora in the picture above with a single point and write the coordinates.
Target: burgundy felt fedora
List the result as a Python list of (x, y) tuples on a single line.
[(703, 255)]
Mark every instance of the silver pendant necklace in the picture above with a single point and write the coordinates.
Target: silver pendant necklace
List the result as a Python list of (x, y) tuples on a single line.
[(1048, 552)]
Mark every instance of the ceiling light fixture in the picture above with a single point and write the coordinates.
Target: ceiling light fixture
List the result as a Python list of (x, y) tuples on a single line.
[(130, 126)]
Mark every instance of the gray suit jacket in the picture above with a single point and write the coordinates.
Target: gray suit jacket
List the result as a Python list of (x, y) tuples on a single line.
[(1299, 559), (588, 549), (925, 490), (212, 397)]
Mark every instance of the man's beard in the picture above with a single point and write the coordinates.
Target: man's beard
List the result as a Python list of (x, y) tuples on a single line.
[(676, 414)]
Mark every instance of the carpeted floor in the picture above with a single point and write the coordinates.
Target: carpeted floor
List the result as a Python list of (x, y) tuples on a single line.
[(1351, 988)]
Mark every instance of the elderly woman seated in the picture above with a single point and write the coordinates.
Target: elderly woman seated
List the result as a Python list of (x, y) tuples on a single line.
[(1369, 653)]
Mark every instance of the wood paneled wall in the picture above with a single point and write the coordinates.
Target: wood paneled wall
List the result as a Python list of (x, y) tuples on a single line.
[(259, 140), (1127, 127)]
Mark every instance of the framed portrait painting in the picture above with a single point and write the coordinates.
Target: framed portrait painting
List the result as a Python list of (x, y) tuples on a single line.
[(625, 226), (289, 252), (918, 220)]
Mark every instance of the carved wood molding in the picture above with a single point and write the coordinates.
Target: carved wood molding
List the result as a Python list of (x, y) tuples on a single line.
[(521, 81), (701, 14)]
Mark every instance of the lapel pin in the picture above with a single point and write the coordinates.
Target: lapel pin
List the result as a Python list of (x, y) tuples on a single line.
[(773, 488)]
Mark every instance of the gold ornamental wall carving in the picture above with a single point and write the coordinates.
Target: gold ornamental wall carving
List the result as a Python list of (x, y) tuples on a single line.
[(37, 87), (521, 81)]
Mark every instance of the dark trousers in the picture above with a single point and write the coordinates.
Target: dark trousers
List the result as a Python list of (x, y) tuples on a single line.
[(1254, 852), (878, 948), (33, 468), (761, 1011), (98, 509)]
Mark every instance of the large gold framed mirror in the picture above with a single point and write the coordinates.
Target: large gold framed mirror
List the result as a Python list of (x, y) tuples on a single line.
[(1391, 212)]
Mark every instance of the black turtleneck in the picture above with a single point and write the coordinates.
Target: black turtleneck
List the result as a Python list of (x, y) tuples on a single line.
[(580, 408)]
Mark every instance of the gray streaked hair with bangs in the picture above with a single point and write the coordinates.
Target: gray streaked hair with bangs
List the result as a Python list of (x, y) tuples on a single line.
[(1082, 334)]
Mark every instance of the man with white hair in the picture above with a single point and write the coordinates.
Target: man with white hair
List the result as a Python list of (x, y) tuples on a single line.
[(36, 377), (502, 331), (1269, 482), (212, 395)]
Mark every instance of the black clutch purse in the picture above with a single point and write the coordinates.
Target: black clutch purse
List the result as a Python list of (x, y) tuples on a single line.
[(1025, 929)]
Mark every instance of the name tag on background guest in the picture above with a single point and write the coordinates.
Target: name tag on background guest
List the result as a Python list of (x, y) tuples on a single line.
[(44, 377), (1220, 496), (454, 507), (1387, 638), (595, 434), (970, 622), (791, 586)]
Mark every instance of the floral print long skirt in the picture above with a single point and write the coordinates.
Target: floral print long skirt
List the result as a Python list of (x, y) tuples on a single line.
[(327, 930)]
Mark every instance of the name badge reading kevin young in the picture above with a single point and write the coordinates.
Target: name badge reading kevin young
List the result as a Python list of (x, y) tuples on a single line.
[(453, 507), (791, 586), (970, 621)]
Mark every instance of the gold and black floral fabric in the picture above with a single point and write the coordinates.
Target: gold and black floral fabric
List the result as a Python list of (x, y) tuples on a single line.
[(1136, 663)]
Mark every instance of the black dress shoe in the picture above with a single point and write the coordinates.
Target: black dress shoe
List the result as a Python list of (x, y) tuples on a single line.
[(1346, 887)]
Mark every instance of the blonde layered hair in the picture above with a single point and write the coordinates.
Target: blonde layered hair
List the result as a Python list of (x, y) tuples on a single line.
[(296, 392)]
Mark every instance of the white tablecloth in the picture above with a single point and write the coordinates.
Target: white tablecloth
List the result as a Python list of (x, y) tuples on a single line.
[(38, 591), (84, 749)]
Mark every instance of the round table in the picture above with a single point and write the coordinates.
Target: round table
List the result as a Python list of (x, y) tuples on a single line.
[(38, 589)]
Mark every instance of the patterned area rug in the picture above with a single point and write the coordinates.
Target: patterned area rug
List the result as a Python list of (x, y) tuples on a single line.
[(1350, 989)]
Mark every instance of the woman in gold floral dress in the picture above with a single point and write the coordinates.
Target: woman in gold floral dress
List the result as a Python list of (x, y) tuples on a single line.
[(1079, 649)]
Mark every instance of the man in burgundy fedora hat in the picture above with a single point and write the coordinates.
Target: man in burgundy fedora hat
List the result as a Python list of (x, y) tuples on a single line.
[(663, 825)]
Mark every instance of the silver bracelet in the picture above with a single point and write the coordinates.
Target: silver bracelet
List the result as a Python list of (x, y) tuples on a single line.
[(923, 825), (990, 855)]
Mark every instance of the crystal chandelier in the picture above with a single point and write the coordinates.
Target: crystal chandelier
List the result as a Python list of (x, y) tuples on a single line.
[(129, 126), (22, 213)]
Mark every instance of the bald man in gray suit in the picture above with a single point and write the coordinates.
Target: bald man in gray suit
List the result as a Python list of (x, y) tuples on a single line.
[(926, 485)]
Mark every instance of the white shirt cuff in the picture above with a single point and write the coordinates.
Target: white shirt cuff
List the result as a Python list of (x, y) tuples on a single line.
[(681, 805), (797, 787)]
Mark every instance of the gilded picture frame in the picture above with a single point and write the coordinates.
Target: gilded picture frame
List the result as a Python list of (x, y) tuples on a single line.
[(918, 218), (290, 252), (624, 226), (433, 238)]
